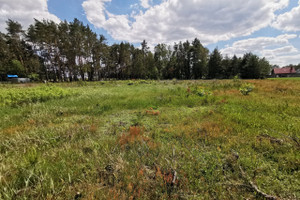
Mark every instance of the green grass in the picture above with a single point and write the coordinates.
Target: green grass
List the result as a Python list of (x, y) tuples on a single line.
[(19, 96), (286, 78), (128, 139)]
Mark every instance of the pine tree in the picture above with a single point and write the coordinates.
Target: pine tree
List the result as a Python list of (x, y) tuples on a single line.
[(199, 59), (215, 65)]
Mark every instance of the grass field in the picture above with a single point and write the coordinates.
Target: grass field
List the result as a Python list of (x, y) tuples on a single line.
[(287, 78), (150, 140)]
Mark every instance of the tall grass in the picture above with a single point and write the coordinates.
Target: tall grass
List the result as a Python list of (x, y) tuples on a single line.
[(21, 96), (151, 140)]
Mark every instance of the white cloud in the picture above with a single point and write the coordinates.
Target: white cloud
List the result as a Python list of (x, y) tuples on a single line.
[(134, 6), (289, 21), (174, 20), (24, 12), (95, 11), (287, 59), (145, 3), (278, 50)]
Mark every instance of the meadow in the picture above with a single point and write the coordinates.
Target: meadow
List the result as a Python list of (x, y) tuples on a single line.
[(140, 139)]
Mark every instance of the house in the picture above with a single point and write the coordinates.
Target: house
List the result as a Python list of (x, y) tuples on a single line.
[(284, 72)]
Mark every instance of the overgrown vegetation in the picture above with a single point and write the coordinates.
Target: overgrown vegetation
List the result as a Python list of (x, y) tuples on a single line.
[(152, 140), (21, 96), (246, 88)]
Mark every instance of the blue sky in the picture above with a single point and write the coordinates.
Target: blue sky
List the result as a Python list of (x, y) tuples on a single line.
[(268, 28)]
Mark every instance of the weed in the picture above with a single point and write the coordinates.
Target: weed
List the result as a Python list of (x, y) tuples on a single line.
[(153, 112), (17, 97), (135, 134), (106, 142), (246, 88)]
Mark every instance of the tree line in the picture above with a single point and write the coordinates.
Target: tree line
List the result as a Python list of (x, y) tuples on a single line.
[(71, 51)]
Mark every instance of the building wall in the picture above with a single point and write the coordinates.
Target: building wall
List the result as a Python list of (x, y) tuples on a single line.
[(20, 80), (285, 75)]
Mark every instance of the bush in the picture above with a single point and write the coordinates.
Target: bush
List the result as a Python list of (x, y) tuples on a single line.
[(34, 77), (246, 88), (202, 92), (19, 96), (237, 81), (130, 83)]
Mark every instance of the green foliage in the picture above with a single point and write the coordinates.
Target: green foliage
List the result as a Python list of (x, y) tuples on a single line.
[(246, 88), (199, 59), (254, 67), (236, 78), (237, 81), (82, 83), (152, 141), (16, 67), (17, 97), (200, 91), (34, 77), (39, 51), (215, 65), (130, 83)]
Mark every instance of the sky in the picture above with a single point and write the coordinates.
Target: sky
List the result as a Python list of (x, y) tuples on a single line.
[(268, 28)]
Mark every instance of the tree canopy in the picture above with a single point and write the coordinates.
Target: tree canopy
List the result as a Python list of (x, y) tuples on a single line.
[(71, 51)]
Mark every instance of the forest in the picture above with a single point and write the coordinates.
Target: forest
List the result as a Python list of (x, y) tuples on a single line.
[(71, 51)]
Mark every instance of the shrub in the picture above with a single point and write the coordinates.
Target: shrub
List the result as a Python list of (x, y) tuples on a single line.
[(202, 92), (19, 96), (34, 77), (246, 88), (130, 83), (237, 81)]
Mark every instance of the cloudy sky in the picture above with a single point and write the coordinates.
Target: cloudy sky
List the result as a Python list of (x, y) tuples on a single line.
[(268, 28)]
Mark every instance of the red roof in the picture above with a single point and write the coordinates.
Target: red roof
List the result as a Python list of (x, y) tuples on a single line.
[(285, 70)]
